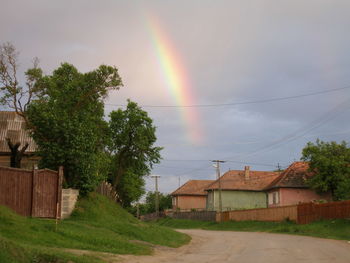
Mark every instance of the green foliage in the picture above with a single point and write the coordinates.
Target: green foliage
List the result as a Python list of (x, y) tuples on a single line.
[(165, 202), (149, 206), (132, 138), (97, 224), (331, 164), (67, 122)]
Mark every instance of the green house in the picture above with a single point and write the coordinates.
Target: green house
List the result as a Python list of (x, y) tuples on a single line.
[(240, 189)]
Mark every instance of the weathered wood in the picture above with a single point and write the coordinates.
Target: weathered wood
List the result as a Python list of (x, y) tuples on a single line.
[(196, 215), (274, 214), (34, 182), (59, 192), (309, 212), (107, 190), (31, 192)]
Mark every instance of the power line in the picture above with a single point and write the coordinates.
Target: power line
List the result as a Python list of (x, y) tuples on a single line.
[(286, 139), (229, 161), (260, 164), (237, 103), (193, 170), (302, 131)]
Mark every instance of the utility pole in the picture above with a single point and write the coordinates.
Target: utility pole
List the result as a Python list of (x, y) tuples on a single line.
[(157, 194), (179, 181), (217, 166), (279, 167)]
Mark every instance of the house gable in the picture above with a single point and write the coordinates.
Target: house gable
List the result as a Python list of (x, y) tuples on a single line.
[(13, 126)]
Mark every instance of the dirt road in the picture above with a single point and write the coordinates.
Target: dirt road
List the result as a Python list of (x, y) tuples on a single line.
[(243, 247)]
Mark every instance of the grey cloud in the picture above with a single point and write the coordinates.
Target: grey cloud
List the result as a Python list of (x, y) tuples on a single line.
[(232, 51)]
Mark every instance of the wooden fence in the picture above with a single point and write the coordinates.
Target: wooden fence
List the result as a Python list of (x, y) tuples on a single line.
[(107, 190), (35, 193), (302, 213), (310, 212), (153, 216), (196, 215), (273, 214)]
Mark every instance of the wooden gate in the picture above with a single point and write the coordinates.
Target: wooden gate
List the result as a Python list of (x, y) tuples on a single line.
[(34, 193)]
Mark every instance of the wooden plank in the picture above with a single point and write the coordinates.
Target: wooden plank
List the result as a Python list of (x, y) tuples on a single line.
[(34, 183), (59, 192)]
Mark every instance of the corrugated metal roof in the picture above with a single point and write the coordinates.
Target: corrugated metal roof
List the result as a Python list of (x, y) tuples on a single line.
[(13, 126)]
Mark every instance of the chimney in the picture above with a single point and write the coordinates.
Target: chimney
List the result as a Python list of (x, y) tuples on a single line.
[(246, 172)]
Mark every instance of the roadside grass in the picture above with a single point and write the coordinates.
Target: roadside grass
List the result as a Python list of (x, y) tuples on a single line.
[(334, 229), (97, 224)]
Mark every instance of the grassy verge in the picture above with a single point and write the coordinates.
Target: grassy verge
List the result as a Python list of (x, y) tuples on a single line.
[(334, 229), (97, 225)]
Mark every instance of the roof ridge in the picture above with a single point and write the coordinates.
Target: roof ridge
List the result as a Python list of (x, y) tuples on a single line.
[(194, 187), (285, 173)]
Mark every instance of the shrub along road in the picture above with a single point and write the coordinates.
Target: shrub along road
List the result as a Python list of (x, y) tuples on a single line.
[(248, 247)]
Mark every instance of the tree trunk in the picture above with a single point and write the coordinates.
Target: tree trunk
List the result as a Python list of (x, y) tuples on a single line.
[(16, 154)]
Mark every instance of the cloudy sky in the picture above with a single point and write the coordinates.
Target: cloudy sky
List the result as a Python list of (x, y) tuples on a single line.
[(230, 62)]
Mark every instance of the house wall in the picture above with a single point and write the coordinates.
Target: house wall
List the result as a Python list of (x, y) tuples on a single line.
[(233, 200), (26, 163), (292, 196), (188, 202)]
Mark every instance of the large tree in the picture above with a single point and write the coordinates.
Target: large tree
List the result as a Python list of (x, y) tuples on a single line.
[(132, 139), (68, 120), (330, 163)]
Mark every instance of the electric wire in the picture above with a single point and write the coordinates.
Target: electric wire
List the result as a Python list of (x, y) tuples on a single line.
[(238, 103)]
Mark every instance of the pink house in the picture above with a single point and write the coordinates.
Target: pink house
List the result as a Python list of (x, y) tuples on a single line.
[(191, 195), (290, 187)]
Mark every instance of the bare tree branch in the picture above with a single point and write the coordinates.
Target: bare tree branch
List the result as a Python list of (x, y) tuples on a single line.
[(12, 95)]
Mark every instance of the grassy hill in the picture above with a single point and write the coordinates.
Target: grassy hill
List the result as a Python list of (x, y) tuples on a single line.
[(97, 225)]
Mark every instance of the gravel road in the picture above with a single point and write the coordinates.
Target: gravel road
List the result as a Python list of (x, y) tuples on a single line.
[(247, 247)]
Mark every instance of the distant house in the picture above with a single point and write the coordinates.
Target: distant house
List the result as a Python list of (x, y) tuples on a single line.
[(240, 190), (191, 195), (290, 187), (12, 126)]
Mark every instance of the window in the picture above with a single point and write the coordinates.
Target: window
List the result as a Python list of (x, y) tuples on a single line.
[(274, 198)]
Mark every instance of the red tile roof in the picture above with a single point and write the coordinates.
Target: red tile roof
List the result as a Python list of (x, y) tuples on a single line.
[(193, 187), (294, 176), (235, 180)]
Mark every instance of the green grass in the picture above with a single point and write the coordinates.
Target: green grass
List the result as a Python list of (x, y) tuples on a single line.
[(97, 225), (334, 229)]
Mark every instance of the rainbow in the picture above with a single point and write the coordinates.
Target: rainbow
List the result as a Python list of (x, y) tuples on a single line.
[(176, 80)]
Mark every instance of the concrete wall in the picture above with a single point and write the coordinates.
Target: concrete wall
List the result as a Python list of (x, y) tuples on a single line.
[(188, 202), (233, 200), (69, 198)]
